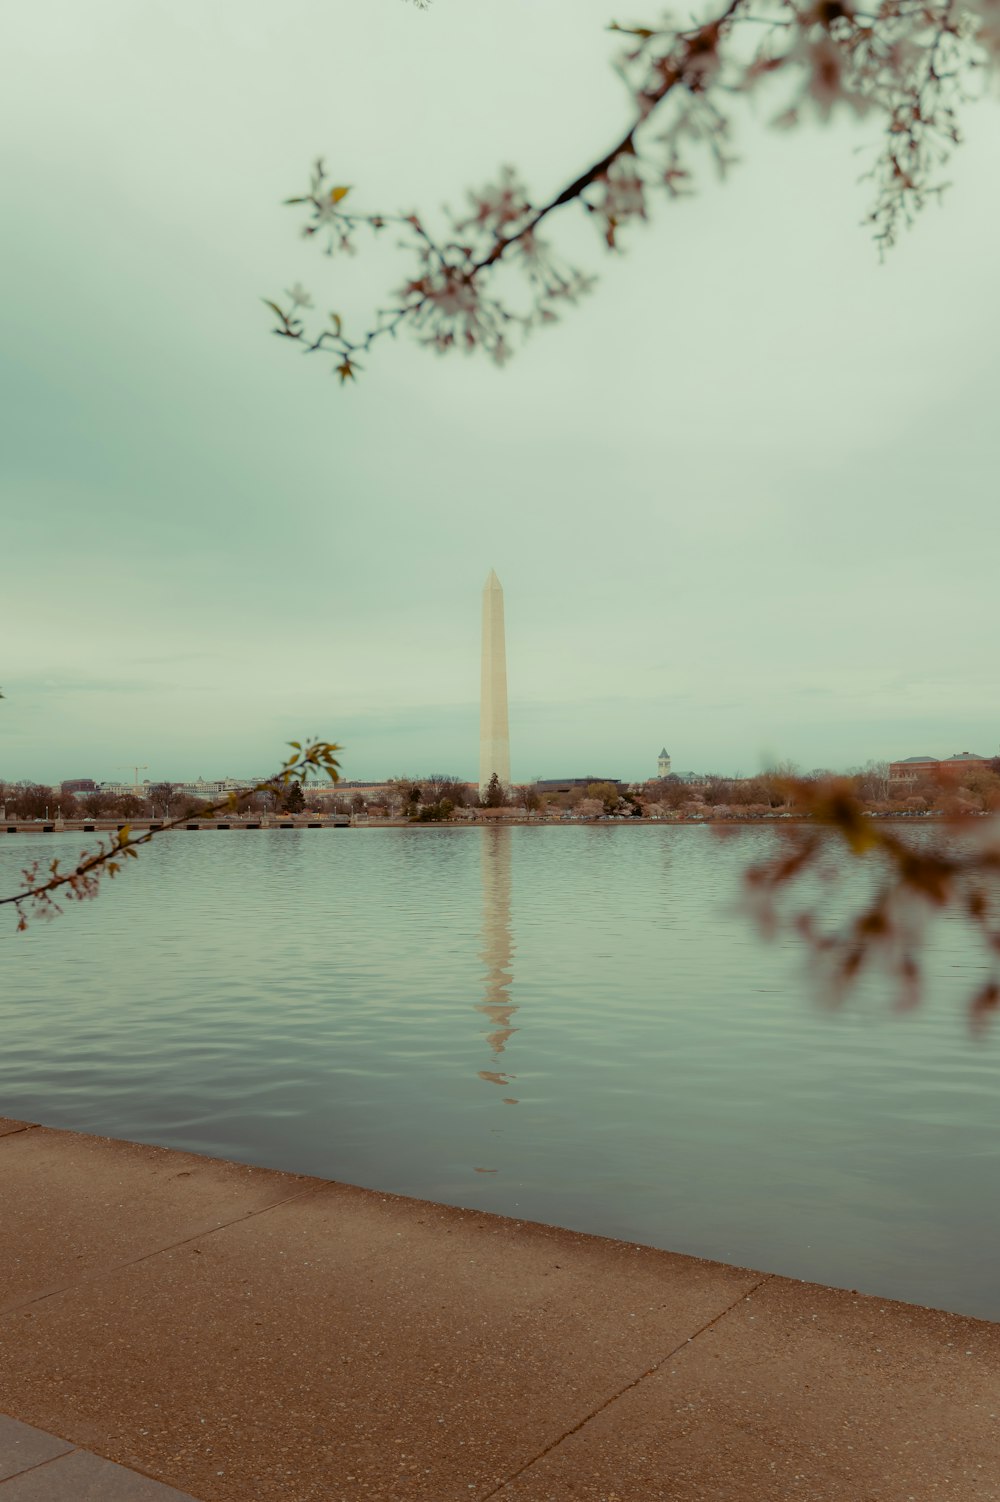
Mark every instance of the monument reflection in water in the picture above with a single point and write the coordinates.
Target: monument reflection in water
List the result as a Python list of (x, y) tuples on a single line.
[(498, 950)]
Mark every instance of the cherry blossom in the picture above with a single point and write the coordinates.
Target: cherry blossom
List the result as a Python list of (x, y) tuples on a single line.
[(483, 280)]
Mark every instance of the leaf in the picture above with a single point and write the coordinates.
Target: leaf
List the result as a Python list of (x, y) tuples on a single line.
[(274, 308), (346, 371), (296, 200), (337, 322), (336, 194)]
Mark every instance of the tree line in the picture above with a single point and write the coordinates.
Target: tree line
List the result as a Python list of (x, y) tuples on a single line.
[(161, 800), (439, 797)]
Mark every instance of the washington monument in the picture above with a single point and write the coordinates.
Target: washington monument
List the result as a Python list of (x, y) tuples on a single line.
[(494, 735)]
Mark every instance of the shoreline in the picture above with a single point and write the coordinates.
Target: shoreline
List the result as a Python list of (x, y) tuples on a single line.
[(241, 1333), (141, 826)]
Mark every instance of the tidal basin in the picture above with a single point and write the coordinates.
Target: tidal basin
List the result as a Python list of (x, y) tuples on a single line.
[(566, 1025)]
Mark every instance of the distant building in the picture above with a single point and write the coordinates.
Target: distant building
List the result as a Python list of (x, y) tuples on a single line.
[(366, 790), (369, 786), (212, 788), (912, 767), (567, 784), (79, 785), (663, 763)]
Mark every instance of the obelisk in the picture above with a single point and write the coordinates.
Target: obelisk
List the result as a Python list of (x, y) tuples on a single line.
[(494, 735)]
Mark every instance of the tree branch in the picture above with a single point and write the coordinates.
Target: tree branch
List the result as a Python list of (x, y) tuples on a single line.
[(83, 880)]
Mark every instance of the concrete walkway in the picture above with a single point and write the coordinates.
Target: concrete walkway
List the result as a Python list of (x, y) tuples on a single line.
[(39, 1467), (241, 1335)]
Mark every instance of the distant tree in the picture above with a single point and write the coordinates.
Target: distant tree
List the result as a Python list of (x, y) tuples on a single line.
[(129, 806), (669, 792), (436, 813), (606, 793), (357, 803), (439, 785), (32, 800), (527, 797), (405, 795), (495, 795), (590, 808), (774, 789), (97, 805), (872, 781), (67, 806), (163, 798), (984, 785), (262, 800), (294, 801)]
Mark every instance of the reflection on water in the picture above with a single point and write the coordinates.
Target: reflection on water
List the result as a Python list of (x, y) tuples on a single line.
[(498, 949)]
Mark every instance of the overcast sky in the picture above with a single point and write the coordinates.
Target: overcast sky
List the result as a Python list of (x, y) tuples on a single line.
[(742, 501)]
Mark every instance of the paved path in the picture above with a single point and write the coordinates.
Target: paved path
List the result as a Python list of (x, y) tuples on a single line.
[(241, 1335), (39, 1467)]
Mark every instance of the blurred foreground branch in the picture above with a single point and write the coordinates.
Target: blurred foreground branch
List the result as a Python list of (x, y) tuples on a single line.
[(954, 867)]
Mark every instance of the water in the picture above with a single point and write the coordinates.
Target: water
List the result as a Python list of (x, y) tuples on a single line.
[(561, 1024)]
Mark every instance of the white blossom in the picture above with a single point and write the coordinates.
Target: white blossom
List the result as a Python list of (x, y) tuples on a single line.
[(299, 296)]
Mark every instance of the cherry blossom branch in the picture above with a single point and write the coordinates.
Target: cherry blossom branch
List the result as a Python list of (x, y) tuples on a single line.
[(700, 43), (957, 870), (908, 61), (41, 895)]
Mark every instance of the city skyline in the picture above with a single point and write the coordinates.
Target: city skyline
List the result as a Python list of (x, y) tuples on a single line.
[(359, 778)]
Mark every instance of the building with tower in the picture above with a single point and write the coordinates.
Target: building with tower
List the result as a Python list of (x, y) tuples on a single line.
[(663, 763)]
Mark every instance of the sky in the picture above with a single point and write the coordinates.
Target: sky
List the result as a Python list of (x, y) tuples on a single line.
[(742, 499)]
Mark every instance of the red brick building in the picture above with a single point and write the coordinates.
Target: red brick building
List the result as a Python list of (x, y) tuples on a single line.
[(912, 767)]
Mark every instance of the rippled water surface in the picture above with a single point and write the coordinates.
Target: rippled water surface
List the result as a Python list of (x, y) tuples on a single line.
[(561, 1024)]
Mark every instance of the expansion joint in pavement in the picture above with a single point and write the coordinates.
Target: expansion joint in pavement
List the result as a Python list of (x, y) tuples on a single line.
[(39, 1465), (201, 1235), (616, 1396)]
